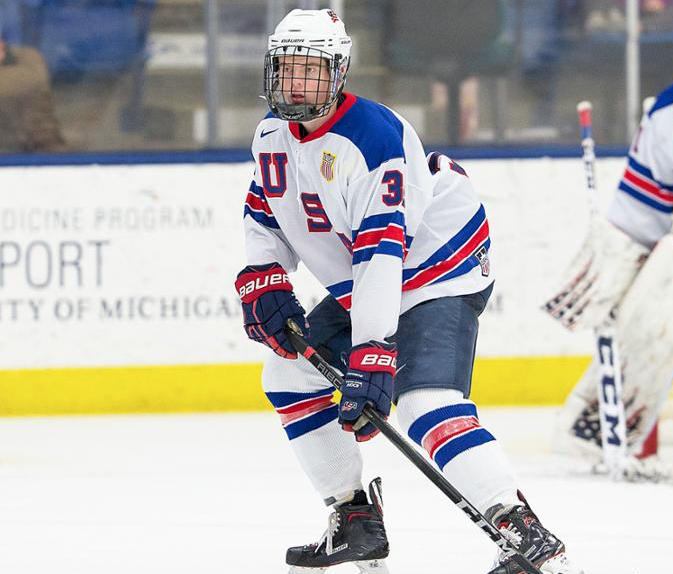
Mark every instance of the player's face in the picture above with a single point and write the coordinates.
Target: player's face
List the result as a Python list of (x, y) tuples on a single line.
[(304, 80)]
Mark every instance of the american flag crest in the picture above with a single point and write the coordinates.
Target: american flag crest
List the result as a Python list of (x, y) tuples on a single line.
[(484, 262), (327, 165)]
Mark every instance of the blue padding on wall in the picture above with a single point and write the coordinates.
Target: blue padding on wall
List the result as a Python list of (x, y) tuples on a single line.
[(128, 158), (526, 152), (243, 155)]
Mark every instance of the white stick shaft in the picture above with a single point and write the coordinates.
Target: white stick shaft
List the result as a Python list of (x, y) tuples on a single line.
[(584, 110), (610, 402), (610, 397)]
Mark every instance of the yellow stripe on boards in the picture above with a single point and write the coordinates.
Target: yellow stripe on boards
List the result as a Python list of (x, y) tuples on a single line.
[(525, 380), (237, 387), (164, 389)]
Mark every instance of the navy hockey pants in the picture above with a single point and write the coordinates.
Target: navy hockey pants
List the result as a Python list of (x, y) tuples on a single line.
[(435, 340)]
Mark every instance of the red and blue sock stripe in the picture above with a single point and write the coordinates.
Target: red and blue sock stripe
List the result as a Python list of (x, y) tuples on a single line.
[(449, 431), (301, 413)]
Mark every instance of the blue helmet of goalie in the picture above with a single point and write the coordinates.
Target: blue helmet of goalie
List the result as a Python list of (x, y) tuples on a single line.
[(306, 64)]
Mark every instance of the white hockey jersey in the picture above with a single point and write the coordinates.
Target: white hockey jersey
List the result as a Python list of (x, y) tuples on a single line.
[(356, 202), (643, 204)]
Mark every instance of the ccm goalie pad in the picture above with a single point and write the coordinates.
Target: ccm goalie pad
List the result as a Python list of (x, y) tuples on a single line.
[(644, 333), (597, 278)]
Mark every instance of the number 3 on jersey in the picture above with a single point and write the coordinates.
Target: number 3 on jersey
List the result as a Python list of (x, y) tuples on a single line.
[(394, 195)]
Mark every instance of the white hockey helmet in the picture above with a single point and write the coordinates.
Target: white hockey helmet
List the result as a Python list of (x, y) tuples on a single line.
[(301, 35)]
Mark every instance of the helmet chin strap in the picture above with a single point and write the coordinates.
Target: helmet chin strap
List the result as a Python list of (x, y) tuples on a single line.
[(302, 112)]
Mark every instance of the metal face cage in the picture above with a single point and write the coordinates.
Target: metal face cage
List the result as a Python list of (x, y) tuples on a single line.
[(300, 83)]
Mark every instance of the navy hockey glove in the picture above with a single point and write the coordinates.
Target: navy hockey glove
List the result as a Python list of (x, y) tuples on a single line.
[(370, 376), (268, 302)]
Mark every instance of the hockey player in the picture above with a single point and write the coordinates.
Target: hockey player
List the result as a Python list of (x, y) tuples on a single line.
[(624, 270), (342, 184)]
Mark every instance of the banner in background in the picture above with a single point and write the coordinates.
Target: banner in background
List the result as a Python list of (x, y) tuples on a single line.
[(134, 265)]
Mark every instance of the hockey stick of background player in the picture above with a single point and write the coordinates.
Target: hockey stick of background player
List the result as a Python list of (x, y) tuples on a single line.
[(295, 335), (610, 398)]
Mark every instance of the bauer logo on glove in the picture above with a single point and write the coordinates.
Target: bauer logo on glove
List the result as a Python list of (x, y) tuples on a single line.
[(260, 283), (369, 380), (268, 301), (380, 360)]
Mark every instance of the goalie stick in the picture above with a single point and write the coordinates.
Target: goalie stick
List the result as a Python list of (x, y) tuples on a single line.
[(610, 397), (300, 344)]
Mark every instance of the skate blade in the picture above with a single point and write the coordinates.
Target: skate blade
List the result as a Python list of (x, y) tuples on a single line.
[(560, 564), (372, 567), (304, 570), (363, 566)]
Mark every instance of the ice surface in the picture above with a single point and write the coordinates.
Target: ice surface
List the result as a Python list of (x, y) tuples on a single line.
[(207, 494)]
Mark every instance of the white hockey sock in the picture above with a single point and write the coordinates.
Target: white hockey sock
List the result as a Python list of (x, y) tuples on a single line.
[(447, 427), (332, 461), (302, 398)]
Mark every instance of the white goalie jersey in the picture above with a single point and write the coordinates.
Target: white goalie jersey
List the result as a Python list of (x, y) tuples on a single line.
[(356, 202), (643, 204)]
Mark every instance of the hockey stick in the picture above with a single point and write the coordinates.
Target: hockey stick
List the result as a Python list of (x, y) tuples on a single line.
[(300, 344), (610, 398)]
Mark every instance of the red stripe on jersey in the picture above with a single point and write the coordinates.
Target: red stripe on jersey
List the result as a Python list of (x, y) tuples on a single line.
[(371, 238), (345, 301), (256, 203), (300, 410), (647, 185), (456, 259), (447, 431)]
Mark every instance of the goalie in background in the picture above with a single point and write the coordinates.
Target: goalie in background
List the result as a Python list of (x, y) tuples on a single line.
[(624, 272)]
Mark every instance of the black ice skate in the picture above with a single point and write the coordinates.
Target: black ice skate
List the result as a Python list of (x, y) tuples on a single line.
[(523, 530), (355, 533)]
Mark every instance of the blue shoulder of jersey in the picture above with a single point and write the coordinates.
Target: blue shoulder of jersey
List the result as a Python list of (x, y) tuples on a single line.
[(374, 130), (664, 99)]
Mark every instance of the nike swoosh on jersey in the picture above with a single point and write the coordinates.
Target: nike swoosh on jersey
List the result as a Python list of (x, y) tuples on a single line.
[(264, 134)]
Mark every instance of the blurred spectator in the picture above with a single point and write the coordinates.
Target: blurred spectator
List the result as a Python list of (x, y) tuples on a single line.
[(10, 21), (609, 15), (571, 19), (657, 15), (27, 120), (605, 16), (539, 52)]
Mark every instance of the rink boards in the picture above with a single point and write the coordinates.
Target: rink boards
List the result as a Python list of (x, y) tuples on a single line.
[(116, 286)]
